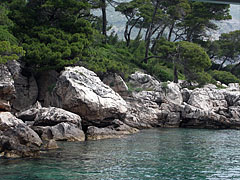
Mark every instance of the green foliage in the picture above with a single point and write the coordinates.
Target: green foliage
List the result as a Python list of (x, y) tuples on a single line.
[(163, 73), (9, 52), (5, 35), (132, 88), (5, 25), (228, 47), (189, 58), (54, 33), (224, 77), (52, 48), (4, 20), (164, 86), (193, 59), (109, 58), (204, 78)]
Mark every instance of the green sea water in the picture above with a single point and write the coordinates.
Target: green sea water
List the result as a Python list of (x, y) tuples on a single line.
[(156, 154)]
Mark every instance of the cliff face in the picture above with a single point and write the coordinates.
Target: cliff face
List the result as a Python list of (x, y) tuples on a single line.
[(79, 106)]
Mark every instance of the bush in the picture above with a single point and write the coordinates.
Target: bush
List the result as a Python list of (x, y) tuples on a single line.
[(10, 52), (162, 73), (109, 58), (53, 48), (224, 77), (204, 78), (6, 36)]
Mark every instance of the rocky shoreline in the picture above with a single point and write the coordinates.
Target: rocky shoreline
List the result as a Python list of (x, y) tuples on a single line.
[(76, 105)]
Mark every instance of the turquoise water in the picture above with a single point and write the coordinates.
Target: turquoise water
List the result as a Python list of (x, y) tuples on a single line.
[(156, 154)]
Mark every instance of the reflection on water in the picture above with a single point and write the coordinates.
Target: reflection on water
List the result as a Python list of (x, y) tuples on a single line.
[(151, 154)]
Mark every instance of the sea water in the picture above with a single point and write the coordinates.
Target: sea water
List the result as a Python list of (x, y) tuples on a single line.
[(156, 154)]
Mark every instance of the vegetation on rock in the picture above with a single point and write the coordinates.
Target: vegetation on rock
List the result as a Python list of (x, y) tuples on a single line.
[(169, 44)]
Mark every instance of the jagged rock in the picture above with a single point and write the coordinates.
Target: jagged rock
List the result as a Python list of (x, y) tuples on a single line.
[(60, 132), (207, 99), (7, 121), (116, 83), (199, 118), (7, 89), (153, 96), (173, 93), (52, 116), (232, 97), (210, 86), (80, 91), (184, 83), (29, 114), (25, 85), (234, 112), (143, 113), (54, 123), (5, 105), (16, 138), (143, 81), (116, 130), (46, 82), (233, 87), (48, 116), (186, 94), (171, 114)]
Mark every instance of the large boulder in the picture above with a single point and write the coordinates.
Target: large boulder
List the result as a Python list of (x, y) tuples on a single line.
[(54, 123), (16, 138), (7, 89), (52, 116), (60, 132), (79, 90), (116, 130), (25, 85)]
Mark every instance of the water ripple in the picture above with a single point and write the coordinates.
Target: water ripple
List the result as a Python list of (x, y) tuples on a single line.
[(166, 154)]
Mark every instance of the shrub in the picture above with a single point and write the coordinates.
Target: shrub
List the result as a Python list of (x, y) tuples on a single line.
[(204, 78), (224, 77), (108, 58), (53, 48), (10, 52)]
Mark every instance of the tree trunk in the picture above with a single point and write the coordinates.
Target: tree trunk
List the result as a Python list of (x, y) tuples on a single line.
[(175, 74), (221, 65), (126, 35), (104, 20), (149, 35), (157, 38), (170, 31)]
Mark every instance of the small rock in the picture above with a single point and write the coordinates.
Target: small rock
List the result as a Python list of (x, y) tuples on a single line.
[(51, 144), (117, 130)]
